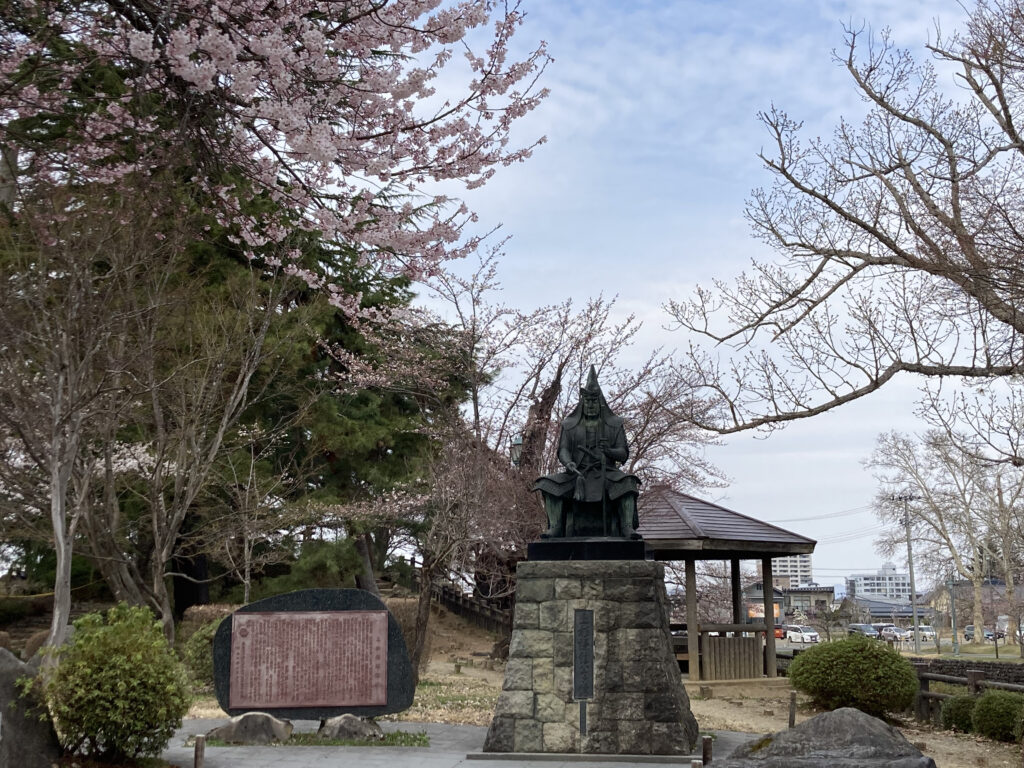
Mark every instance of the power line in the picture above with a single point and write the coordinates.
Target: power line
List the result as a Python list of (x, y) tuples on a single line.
[(859, 533), (827, 515)]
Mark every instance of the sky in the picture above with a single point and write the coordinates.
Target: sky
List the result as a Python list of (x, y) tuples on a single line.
[(652, 142)]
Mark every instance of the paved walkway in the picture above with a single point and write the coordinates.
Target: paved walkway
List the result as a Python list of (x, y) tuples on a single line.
[(450, 746)]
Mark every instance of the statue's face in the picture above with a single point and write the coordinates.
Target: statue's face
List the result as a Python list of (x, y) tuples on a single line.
[(591, 406)]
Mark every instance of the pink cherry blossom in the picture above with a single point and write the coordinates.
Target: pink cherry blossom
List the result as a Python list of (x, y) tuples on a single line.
[(327, 108)]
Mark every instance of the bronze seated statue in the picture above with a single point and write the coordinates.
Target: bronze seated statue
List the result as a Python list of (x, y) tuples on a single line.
[(592, 497)]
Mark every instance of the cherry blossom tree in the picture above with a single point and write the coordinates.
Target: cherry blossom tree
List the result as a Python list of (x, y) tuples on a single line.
[(64, 322), (898, 239), (341, 117)]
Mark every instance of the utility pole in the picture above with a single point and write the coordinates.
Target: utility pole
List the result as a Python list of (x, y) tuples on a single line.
[(906, 498)]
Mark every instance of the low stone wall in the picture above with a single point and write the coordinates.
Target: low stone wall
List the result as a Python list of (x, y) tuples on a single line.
[(1003, 672)]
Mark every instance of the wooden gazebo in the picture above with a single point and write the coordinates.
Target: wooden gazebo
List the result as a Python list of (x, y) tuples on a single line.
[(675, 527)]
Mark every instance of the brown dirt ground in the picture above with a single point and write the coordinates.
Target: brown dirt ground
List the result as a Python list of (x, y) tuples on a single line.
[(752, 708)]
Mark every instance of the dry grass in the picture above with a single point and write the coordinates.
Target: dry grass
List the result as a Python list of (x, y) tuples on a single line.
[(455, 699)]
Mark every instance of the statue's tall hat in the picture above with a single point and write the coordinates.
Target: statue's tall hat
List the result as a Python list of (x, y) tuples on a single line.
[(591, 388)]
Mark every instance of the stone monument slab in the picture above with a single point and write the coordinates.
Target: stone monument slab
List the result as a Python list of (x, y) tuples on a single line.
[(312, 654), (309, 658)]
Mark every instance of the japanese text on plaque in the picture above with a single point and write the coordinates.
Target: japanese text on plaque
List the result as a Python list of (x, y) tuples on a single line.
[(308, 659)]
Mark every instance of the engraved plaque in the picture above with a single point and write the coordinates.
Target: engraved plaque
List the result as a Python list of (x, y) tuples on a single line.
[(308, 659), (583, 655)]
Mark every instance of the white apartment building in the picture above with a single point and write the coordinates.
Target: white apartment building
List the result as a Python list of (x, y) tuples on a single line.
[(796, 569), (886, 581)]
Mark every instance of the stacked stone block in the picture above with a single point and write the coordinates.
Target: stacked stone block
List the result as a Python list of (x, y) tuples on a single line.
[(639, 705)]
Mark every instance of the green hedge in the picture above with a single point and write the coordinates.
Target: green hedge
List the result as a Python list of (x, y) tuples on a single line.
[(855, 672), (997, 715), (119, 691), (197, 653), (957, 712)]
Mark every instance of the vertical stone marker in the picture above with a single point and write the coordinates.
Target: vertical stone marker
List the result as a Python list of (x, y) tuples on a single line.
[(313, 654)]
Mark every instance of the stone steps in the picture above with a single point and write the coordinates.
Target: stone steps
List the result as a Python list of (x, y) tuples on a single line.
[(20, 631)]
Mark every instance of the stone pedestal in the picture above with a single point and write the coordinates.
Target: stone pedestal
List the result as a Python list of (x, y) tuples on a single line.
[(639, 705)]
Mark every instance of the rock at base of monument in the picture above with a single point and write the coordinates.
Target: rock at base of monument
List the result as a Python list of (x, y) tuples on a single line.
[(586, 548), (845, 738), (253, 728), (350, 727), (25, 740)]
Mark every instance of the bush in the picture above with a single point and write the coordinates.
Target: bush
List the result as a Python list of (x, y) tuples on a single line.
[(118, 692), (956, 713), (856, 672), (996, 715), (197, 653)]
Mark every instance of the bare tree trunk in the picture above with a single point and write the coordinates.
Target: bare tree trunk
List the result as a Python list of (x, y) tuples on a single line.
[(62, 543), (422, 616), (538, 422), (977, 610), (162, 598), (365, 579)]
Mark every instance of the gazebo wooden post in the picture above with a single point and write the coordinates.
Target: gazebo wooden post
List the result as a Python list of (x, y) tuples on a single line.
[(768, 590), (692, 636), (737, 597)]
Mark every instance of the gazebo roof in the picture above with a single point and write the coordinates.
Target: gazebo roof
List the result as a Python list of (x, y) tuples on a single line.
[(676, 526)]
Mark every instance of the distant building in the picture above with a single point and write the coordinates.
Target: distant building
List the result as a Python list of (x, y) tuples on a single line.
[(872, 608), (753, 601), (810, 599), (791, 571), (885, 582)]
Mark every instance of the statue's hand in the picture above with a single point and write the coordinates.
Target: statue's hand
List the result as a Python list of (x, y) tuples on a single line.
[(571, 466)]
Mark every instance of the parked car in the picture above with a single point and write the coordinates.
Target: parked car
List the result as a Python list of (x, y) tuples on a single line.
[(925, 632), (894, 633), (780, 632), (862, 629), (969, 633), (798, 634)]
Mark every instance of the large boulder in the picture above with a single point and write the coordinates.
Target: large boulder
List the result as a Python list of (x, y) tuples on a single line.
[(25, 740), (350, 727), (845, 738), (253, 728)]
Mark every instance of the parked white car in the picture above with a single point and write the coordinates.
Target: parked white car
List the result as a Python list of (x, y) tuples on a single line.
[(924, 631), (798, 634)]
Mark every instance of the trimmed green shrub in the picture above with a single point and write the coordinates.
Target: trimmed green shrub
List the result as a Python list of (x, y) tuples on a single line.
[(197, 653), (119, 691), (855, 672), (996, 715), (956, 713)]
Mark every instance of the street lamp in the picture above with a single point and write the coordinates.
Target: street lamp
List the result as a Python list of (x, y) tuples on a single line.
[(906, 498), (515, 449)]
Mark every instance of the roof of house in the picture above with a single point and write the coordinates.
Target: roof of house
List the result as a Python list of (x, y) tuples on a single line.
[(810, 588), (676, 526)]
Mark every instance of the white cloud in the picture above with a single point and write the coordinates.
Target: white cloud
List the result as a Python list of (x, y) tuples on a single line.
[(652, 149)]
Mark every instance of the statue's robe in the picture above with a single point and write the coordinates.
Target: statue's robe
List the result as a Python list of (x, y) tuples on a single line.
[(580, 445)]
